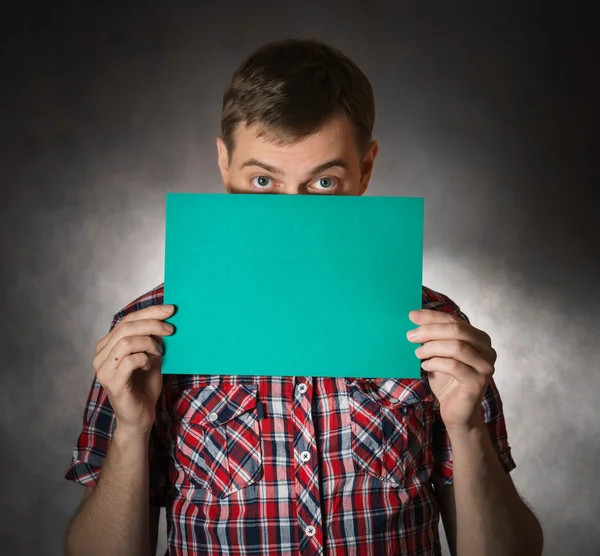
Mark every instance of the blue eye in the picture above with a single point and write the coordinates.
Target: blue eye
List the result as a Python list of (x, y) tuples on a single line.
[(325, 184), (262, 182)]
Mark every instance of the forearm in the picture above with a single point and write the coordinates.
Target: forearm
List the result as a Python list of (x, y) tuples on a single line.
[(115, 517), (492, 520)]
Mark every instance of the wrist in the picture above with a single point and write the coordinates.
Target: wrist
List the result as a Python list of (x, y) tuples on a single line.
[(470, 443), (469, 430), (126, 461), (128, 437)]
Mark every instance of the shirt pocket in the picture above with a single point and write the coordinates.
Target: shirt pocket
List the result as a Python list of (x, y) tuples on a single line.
[(391, 429), (218, 442)]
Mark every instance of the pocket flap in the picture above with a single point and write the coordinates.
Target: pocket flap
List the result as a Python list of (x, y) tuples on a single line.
[(392, 392), (214, 405)]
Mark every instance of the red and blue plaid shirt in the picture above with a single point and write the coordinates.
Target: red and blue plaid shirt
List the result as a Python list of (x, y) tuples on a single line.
[(292, 465)]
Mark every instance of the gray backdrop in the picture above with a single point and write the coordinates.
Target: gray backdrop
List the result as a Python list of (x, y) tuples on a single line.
[(485, 111)]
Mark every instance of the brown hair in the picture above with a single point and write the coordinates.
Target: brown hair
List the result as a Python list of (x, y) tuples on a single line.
[(291, 88)]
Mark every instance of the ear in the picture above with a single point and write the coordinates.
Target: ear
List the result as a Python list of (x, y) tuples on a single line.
[(367, 166), (223, 161)]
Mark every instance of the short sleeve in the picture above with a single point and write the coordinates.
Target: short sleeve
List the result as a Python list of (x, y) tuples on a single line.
[(491, 411), (97, 430)]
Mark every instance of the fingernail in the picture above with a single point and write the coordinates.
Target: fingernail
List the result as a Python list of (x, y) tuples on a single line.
[(412, 334), (166, 308), (168, 327)]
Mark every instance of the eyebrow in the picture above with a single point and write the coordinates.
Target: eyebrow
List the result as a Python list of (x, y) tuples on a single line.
[(274, 170)]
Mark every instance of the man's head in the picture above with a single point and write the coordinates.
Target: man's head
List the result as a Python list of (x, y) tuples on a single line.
[(297, 119)]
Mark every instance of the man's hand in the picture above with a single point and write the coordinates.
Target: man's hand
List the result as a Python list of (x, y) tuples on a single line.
[(128, 366), (459, 359)]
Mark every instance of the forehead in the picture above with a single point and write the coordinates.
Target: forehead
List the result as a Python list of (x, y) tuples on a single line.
[(335, 139)]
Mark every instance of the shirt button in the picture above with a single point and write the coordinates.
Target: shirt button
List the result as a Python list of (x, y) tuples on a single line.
[(310, 530), (394, 400), (212, 417), (305, 456), (302, 388)]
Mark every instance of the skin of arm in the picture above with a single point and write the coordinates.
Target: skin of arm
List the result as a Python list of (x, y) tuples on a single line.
[(115, 516), (482, 512)]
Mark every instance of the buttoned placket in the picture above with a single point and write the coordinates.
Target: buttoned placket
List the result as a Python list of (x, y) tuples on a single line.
[(306, 469)]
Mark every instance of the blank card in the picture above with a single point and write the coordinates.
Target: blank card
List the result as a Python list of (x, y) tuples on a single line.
[(303, 285)]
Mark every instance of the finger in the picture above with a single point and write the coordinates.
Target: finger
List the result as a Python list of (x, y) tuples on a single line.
[(114, 377), (125, 346), (470, 380), (431, 316), (159, 312), (123, 350), (460, 351), (124, 374), (147, 327), (456, 330), (148, 364)]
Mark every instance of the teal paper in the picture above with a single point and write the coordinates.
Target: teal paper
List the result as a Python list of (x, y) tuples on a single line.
[(293, 284)]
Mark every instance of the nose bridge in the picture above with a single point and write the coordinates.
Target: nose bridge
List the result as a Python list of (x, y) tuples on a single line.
[(293, 182), (290, 191), (292, 187)]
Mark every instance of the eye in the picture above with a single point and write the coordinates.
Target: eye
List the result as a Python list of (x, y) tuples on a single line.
[(325, 184), (262, 183)]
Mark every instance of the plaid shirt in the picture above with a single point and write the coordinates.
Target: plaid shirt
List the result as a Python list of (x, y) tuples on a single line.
[(292, 465)]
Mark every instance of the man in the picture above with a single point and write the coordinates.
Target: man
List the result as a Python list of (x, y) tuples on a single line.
[(297, 465)]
